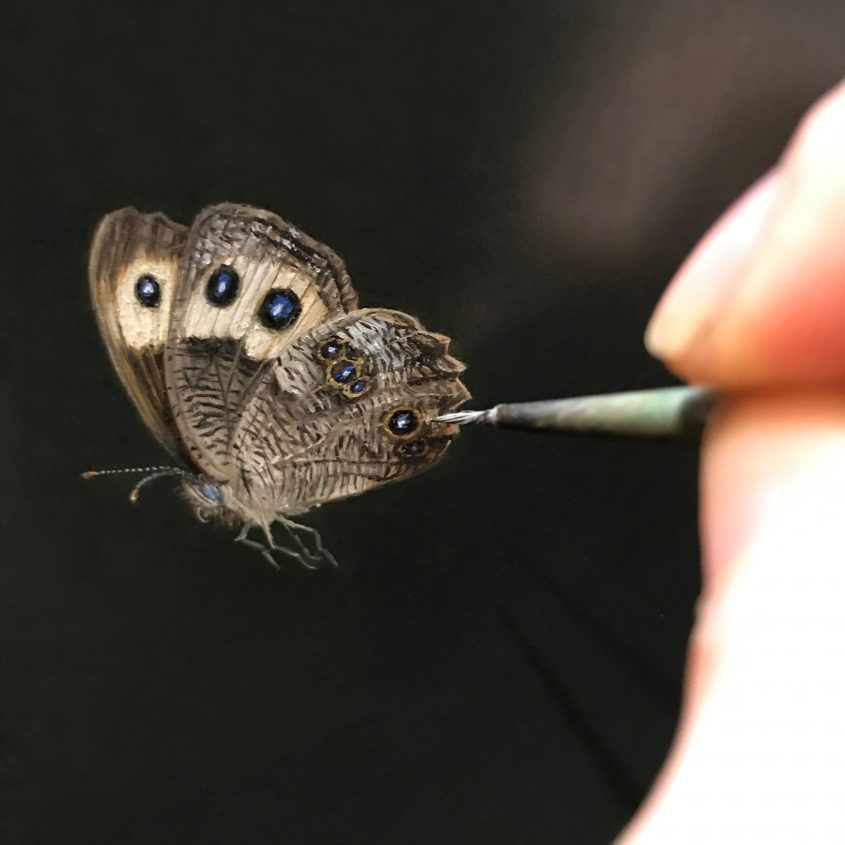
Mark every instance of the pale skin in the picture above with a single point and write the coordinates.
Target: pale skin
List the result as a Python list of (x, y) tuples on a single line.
[(758, 310)]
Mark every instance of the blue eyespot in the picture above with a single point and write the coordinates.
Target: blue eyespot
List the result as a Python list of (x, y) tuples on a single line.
[(358, 386), (413, 449), (343, 372), (148, 291), (210, 492), (331, 349), (222, 287), (403, 422), (279, 309)]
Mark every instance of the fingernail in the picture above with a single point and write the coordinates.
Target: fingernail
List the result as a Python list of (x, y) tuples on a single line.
[(701, 290)]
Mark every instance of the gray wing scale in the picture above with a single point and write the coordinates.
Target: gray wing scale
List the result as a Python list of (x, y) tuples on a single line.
[(303, 439)]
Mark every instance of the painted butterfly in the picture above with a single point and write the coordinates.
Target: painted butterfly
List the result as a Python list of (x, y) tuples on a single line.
[(242, 345)]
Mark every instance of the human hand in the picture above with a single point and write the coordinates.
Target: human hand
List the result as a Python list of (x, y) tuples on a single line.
[(758, 311)]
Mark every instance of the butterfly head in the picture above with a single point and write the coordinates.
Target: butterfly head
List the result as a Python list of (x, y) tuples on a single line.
[(210, 499)]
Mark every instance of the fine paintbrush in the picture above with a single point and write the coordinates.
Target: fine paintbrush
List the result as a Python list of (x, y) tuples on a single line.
[(668, 412)]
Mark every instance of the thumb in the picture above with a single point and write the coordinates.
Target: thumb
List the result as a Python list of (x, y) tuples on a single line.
[(760, 751)]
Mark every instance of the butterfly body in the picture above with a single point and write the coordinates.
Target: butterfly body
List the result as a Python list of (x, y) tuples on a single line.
[(241, 342)]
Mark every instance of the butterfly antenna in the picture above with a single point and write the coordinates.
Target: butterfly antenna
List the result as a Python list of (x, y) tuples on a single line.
[(152, 474)]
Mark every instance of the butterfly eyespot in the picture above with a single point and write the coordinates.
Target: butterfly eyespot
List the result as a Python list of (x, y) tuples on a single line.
[(210, 493), (279, 309), (342, 372), (222, 287), (402, 423), (413, 449), (331, 349), (357, 388), (148, 291)]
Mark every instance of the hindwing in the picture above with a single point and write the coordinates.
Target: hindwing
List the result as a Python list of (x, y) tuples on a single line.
[(346, 408)]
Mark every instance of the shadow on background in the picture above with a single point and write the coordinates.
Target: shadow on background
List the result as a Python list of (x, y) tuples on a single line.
[(499, 657)]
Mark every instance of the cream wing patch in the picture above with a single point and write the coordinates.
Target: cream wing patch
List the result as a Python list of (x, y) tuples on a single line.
[(132, 273), (240, 319), (264, 254), (250, 285)]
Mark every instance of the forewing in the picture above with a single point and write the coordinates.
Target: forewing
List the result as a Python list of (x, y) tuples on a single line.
[(314, 431), (131, 249), (223, 332)]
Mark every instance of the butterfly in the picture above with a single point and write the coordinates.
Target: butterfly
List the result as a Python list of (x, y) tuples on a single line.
[(242, 345)]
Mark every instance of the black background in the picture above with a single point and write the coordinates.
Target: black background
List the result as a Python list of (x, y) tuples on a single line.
[(498, 659)]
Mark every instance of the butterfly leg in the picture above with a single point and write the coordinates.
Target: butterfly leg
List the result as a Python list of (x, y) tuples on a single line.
[(303, 555), (322, 552), (267, 550), (259, 547)]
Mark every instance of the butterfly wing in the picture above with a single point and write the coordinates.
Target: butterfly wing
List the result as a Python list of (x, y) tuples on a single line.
[(250, 285), (132, 273), (346, 408)]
